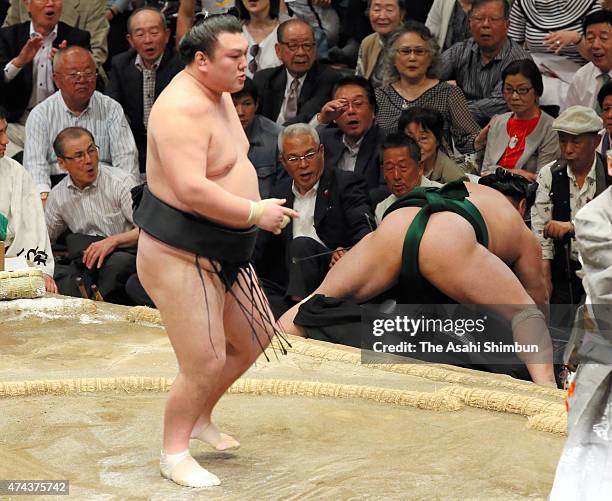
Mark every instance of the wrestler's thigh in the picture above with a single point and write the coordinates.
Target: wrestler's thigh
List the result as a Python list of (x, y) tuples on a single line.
[(452, 260), (192, 311), (372, 265), (239, 322)]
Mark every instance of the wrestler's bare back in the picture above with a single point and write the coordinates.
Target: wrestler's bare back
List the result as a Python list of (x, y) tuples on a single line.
[(213, 145)]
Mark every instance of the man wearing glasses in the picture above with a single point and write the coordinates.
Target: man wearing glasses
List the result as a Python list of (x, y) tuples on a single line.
[(295, 91), (93, 202), (476, 64), (76, 103), (335, 213)]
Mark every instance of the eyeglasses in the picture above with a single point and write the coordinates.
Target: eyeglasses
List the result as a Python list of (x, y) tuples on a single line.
[(79, 156), (490, 20), (521, 91), (75, 76), (308, 156), (417, 51), (294, 46)]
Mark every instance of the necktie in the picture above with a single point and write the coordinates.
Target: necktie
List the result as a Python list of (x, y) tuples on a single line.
[(292, 100), (253, 52)]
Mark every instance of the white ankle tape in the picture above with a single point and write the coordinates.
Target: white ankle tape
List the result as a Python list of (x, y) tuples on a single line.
[(526, 314)]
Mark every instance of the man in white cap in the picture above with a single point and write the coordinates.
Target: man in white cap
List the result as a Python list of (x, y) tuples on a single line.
[(564, 187)]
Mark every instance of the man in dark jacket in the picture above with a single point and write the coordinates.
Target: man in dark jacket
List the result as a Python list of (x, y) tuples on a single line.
[(140, 74), (334, 214)]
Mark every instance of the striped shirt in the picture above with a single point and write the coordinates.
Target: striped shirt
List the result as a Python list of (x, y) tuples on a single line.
[(103, 208), (532, 20), (103, 117), (481, 83)]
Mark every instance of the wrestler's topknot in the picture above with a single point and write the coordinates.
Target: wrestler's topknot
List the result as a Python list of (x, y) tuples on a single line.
[(204, 35)]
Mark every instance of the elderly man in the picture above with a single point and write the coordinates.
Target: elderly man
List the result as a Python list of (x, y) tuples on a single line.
[(86, 15), (295, 91), (334, 214), (19, 202), (477, 63), (77, 103), (93, 202), (198, 219), (140, 74), (402, 168), (262, 134), (564, 187), (589, 79), (26, 55), (353, 145)]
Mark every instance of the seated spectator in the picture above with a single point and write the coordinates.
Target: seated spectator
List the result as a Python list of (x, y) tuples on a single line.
[(425, 126), (76, 103), (564, 187), (592, 76), (295, 91), (403, 170), (477, 63), (353, 145), (604, 100), (552, 33), (410, 67), (139, 75), (262, 134), (517, 189), (260, 21), (26, 234), (449, 21), (385, 17), (26, 55), (334, 214), (84, 15), (523, 139), (93, 202)]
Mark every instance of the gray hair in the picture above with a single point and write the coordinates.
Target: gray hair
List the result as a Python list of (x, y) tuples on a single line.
[(61, 53), (391, 74), (297, 130)]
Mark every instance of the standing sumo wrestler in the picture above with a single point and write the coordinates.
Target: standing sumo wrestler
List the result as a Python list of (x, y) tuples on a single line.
[(199, 217)]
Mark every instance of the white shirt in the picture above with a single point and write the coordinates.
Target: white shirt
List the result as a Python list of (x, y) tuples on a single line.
[(381, 207), (541, 212), (266, 57), (104, 208), (42, 70), (303, 226), (20, 202), (103, 117), (281, 116), (349, 155), (584, 87)]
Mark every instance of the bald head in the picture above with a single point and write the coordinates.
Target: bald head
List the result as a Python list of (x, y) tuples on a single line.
[(74, 51), (74, 73)]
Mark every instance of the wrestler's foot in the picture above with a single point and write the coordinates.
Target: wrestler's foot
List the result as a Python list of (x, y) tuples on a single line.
[(182, 469), (218, 440)]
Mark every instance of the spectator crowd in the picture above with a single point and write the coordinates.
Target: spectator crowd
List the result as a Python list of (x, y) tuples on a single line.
[(341, 97)]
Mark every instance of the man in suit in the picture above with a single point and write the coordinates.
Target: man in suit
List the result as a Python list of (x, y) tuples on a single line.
[(140, 74), (26, 52), (354, 145), (87, 15), (295, 91), (334, 214)]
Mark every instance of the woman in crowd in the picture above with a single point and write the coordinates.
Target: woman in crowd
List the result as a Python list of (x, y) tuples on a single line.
[(449, 21), (521, 140), (410, 81), (425, 126), (385, 17), (260, 20), (554, 28)]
